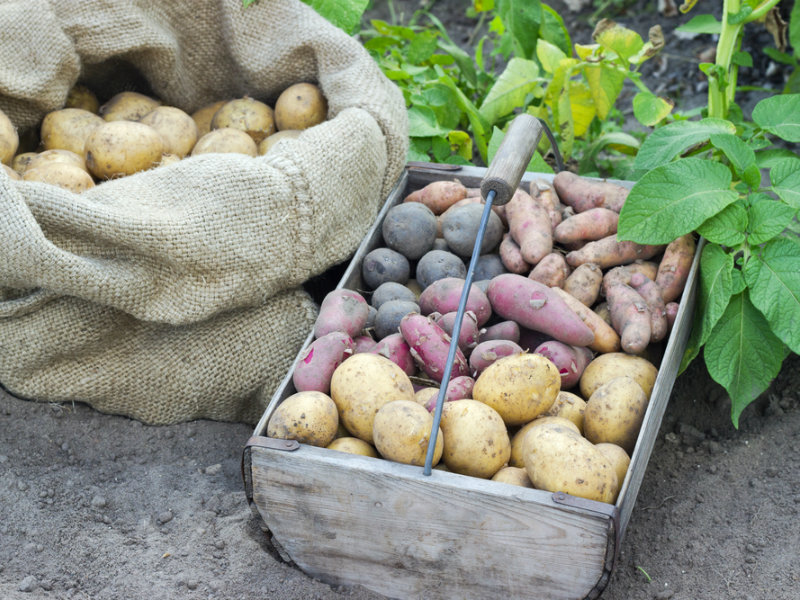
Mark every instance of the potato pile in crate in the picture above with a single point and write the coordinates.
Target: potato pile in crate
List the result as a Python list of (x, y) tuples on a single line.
[(557, 350)]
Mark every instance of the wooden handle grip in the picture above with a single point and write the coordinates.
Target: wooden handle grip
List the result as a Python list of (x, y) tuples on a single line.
[(513, 155)]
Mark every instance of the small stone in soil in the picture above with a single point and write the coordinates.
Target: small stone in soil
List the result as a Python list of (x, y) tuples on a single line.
[(213, 469), (28, 584), (164, 517)]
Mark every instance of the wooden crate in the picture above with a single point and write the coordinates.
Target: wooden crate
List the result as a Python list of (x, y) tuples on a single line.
[(352, 520)]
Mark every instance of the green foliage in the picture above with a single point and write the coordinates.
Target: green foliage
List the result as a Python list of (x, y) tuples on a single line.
[(346, 15)]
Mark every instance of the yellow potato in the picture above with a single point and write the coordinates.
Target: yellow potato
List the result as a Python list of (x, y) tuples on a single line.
[(21, 161), (65, 175), (476, 440), (68, 129), (168, 159), (308, 417), (300, 106), (518, 439), (120, 148), (353, 445), (618, 458), (225, 140), (513, 476), (570, 406), (362, 385), (268, 142), (606, 367), (56, 155), (202, 116), (246, 114), (614, 413), (425, 394), (9, 139), (11, 173), (82, 97), (519, 387), (401, 432), (559, 460), (128, 106), (178, 129)]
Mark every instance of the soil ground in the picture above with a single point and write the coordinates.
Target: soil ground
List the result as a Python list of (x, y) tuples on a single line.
[(104, 507)]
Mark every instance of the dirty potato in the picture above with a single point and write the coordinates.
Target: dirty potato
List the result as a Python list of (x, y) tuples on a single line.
[(246, 114), (81, 96), (225, 140), (615, 412), (11, 173), (401, 432), (476, 441), (300, 106), (268, 142), (65, 175), (56, 155), (21, 161), (68, 129), (120, 148), (128, 106), (353, 445), (9, 139), (309, 417), (202, 116), (177, 128)]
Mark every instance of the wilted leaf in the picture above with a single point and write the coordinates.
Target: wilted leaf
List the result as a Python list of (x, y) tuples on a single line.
[(605, 83), (621, 40)]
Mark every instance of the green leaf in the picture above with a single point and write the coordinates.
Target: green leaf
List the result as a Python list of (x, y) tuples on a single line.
[(422, 46), (779, 115), (742, 354), (669, 141), (620, 40), (674, 199), (713, 296), (741, 16), (440, 99), (345, 15), (460, 144), (536, 165), (740, 154), (549, 55), (464, 61), (480, 128), (727, 227), (606, 83), (519, 78), (553, 29), (649, 109), (794, 28), (742, 59), (766, 159), (422, 123), (768, 218), (521, 19), (774, 281), (785, 179), (701, 24)]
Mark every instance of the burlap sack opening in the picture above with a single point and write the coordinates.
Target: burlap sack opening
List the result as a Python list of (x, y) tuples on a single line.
[(175, 293)]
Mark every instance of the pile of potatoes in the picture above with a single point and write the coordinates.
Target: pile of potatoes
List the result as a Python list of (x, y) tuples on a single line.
[(86, 143), (555, 359)]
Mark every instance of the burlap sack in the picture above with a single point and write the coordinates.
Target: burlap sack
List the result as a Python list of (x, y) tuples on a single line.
[(175, 293)]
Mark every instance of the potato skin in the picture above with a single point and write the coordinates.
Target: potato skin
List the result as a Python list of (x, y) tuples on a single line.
[(120, 148), (615, 412), (80, 96), (618, 458), (361, 385), (11, 173), (402, 430), (341, 310), (519, 387), (300, 106), (513, 476), (569, 406), (56, 155), (476, 441), (252, 116), (409, 229), (353, 445), (225, 140), (314, 369), (438, 195), (606, 367), (9, 139), (673, 270), (64, 175), (269, 142), (518, 439), (68, 129), (177, 129), (128, 106), (202, 116), (583, 194), (308, 417)]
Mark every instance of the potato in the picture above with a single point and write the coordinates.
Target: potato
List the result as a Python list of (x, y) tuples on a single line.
[(518, 439), (397, 350), (361, 385), (391, 290), (460, 225), (11, 173), (168, 159), (225, 140), (513, 476), (390, 314), (409, 229), (9, 139), (128, 106), (56, 155), (82, 97), (65, 175), (178, 129), (246, 114), (476, 440), (438, 195), (353, 445), (68, 129), (120, 148), (384, 264), (308, 417), (202, 116), (569, 406), (300, 106), (269, 142), (439, 264), (557, 459), (519, 387), (618, 458), (402, 430), (606, 367), (615, 412), (21, 161)]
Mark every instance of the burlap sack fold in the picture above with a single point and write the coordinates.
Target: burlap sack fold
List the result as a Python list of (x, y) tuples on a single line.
[(174, 294)]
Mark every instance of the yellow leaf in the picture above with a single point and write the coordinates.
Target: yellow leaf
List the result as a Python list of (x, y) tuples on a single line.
[(582, 106), (585, 51)]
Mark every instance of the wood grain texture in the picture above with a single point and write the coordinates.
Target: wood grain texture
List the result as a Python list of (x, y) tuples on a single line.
[(351, 520), (512, 157)]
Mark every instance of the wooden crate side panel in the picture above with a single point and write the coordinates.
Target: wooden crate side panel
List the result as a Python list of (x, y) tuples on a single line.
[(351, 520)]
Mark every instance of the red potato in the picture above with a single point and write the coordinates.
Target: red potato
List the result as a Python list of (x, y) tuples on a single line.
[(313, 370), (593, 224), (535, 306), (530, 226), (570, 360), (552, 270), (584, 283), (504, 330), (605, 338), (430, 346), (459, 388), (530, 338), (629, 317), (444, 295), (438, 195), (396, 349), (544, 193), (651, 293), (485, 353), (608, 252), (582, 193), (469, 332), (671, 309), (341, 310), (511, 256), (363, 343), (673, 270)]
